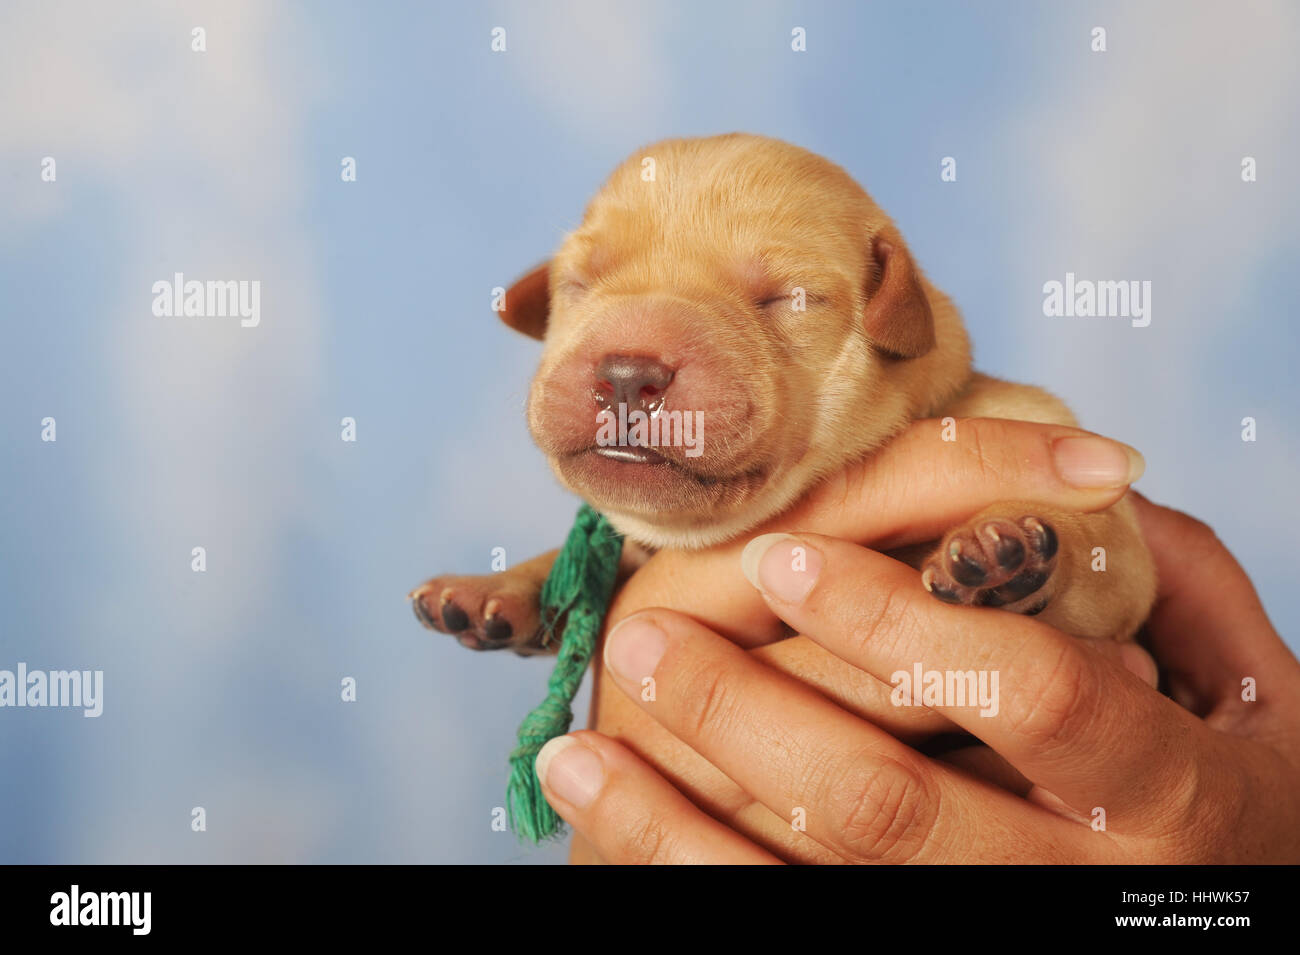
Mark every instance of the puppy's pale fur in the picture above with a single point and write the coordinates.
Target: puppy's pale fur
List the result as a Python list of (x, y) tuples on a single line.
[(700, 266)]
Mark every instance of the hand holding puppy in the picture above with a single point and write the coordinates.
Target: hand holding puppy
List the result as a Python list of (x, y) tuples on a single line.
[(795, 752)]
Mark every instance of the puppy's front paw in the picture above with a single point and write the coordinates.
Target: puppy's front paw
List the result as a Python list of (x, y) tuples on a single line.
[(995, 563), (491, 612)]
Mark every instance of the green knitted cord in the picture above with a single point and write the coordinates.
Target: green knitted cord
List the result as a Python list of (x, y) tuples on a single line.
[(580, 584)]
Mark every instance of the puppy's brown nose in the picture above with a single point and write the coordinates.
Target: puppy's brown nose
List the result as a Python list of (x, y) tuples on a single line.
[(632, 380)]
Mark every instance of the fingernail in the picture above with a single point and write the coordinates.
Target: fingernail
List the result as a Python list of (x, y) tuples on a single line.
[(781, 566), (1094, 462), (571, 771), (634, 648)]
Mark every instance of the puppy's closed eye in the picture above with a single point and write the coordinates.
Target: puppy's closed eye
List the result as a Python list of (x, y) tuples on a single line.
[(790, 298)]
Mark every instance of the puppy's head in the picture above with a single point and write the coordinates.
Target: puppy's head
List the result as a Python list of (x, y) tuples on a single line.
[(733, 319)]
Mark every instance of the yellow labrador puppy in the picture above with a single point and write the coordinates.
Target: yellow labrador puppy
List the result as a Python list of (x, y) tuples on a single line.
[(733, 320)]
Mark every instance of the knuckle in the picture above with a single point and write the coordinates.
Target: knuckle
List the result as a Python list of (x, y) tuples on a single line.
[(708, 704), (978, 453), (1195, 538), (1062, 706), (986, 436), (887, 815), (887, 621), (649, 841), (1185, 812), (1209, 807)]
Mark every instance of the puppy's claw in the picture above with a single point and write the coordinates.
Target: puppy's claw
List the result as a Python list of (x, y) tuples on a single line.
[(422, 613), (495, 627), (963, 568), (1042, 537), (1008, 551)]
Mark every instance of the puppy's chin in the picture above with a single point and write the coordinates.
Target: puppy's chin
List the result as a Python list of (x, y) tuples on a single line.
[(653, 486), (664, 503)]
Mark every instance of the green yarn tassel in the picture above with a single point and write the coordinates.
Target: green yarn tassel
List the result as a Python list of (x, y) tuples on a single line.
[(580, 584)]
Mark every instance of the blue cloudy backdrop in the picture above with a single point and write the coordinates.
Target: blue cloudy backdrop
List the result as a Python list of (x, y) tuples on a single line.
[(223, 688)]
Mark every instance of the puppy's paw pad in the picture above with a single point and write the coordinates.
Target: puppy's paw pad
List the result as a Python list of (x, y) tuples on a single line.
[(492, 612), (454, 619), (993, 563)]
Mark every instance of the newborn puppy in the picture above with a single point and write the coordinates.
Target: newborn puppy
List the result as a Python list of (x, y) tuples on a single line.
[(746, 303)]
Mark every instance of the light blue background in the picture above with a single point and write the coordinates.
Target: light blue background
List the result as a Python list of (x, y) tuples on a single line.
[(222, 689)]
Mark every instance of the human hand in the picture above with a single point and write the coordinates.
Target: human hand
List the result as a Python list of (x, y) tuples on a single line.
[(1193, 667), (909, 492)]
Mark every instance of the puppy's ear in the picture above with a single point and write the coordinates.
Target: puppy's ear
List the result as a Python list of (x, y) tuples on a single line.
[(528, 302), (898, 319)]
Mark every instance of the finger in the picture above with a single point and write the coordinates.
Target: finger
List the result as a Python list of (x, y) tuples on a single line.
[(628, 812), (912, 490), (987, 764), (854, 690), (1059, 712), (854, 788), (1208, 626), (934, 475), (618, 716), (918, 481)]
